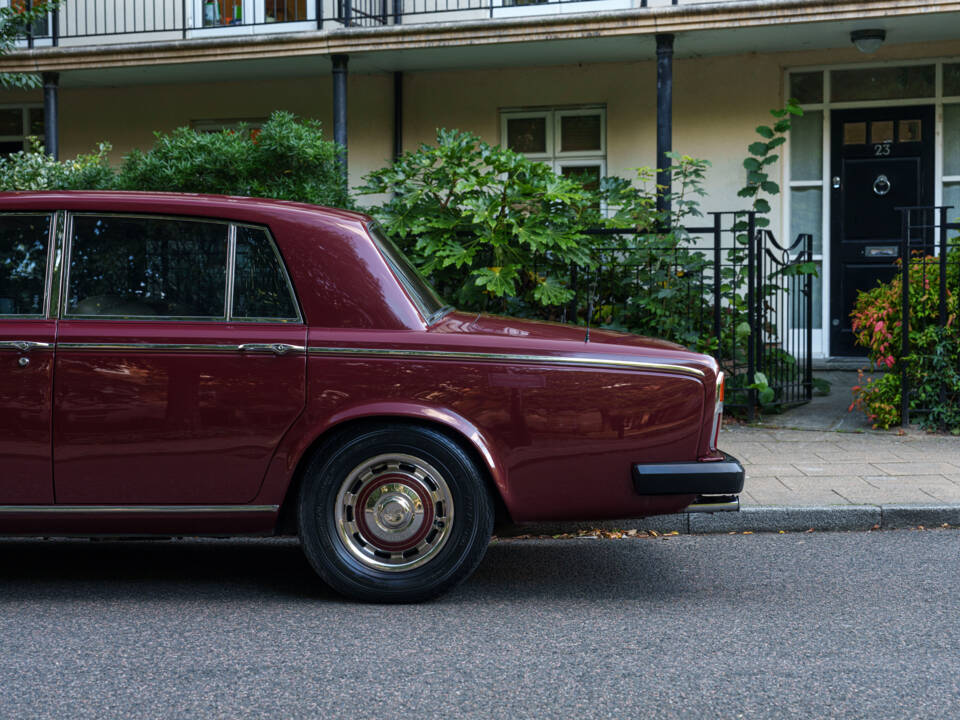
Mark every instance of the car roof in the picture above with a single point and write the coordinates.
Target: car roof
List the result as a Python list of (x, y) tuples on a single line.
[(165, 202)]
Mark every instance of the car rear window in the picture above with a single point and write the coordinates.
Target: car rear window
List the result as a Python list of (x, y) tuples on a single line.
[(424, 296)]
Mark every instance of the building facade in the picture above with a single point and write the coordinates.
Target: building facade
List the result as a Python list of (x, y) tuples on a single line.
[(600, 86)]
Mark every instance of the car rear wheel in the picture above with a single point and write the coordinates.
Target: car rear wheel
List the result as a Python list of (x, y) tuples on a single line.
[(394, 513)]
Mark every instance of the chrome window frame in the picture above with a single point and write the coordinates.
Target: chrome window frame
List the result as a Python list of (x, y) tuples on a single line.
[(229, 271), (44, 313), (291, 290)]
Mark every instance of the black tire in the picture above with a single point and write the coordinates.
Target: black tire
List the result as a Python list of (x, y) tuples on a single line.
[(423, 515)]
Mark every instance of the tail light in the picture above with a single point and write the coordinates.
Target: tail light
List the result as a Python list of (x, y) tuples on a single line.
[(717, 411)]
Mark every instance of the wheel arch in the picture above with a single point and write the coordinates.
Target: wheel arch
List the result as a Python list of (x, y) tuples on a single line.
[(454, 427)]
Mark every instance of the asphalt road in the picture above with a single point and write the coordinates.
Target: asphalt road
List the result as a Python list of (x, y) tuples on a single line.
[(846, 625)]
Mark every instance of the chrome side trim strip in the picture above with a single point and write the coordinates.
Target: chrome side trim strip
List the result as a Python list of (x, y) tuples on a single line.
[(508, 357), (24, 346), (139, 509), (176, 347)]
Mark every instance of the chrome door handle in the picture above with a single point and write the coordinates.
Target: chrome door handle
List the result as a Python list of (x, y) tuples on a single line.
[(23, 346), (275, 348)]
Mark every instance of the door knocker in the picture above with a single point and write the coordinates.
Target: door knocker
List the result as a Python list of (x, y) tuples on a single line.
[(881, 186)]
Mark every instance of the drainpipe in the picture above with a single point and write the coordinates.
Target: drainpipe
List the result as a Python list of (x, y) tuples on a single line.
[(51, 84), (397, 115), (340, 106), (664, 118)]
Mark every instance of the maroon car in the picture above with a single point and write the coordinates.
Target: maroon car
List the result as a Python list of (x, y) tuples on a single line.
[(198, 365)]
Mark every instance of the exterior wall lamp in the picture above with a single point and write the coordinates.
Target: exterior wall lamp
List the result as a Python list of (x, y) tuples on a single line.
[(868, 41)]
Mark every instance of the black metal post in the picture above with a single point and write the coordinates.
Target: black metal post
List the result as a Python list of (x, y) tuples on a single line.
[(905, 319), (397, 114), (28, 6), (340, 105), (664, 120), (347, 13), (717, 279), (319, 12), (751, 314), (808, 283), (397, 12), (943, 299), (51, 85), (55, 30), (183, 17)]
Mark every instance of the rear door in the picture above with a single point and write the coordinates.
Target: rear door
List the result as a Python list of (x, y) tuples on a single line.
[(180, 362), (27, 335)]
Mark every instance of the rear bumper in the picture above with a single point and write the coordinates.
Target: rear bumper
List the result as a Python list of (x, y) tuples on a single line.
[(724, 477)]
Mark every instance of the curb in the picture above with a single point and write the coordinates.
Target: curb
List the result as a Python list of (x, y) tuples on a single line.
[(763, 518)]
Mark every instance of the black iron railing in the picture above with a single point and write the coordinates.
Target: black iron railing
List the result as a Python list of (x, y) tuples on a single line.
[(930, 249), (182, 19), (725, 288), (728, 288)]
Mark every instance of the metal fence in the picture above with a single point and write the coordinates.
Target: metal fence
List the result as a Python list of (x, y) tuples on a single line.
[(930, 248), (729, 288)]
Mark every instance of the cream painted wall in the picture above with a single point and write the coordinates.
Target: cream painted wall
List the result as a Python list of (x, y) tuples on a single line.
[(128, 116), (718, 101)]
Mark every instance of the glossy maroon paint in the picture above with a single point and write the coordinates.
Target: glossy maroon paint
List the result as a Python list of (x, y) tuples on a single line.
[(181, 428), (223, 428), (25, 402)]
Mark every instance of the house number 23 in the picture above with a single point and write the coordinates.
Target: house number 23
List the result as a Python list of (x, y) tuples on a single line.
[(881, 149)]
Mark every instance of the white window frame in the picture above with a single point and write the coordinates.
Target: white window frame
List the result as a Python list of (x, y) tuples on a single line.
[(25, 109), (554, 156)]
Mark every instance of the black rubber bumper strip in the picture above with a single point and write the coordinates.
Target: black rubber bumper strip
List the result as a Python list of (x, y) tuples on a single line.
[(721, 477)]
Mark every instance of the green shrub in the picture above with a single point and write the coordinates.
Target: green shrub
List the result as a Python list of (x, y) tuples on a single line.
[(497, 231), (33, 169), (287, 159), (933, 360)]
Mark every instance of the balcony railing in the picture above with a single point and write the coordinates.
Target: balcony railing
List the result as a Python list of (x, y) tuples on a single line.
[(84, 22)]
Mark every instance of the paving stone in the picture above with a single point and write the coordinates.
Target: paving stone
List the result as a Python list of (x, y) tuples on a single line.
[(918, 468)]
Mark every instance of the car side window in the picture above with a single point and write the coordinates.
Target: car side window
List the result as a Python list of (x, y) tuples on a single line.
[(24, 245), (125, 266), (261, 289)]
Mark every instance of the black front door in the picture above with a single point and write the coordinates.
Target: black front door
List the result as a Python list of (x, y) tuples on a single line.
[(882, 160)]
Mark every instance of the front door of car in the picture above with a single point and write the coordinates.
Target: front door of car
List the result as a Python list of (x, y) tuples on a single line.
[(882, 160), (27, 336), (180, 361)]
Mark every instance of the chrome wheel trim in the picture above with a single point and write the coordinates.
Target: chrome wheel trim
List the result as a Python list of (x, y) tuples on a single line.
[(394, 512)]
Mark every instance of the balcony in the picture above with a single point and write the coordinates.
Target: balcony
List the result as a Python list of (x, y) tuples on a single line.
[(96, 22)]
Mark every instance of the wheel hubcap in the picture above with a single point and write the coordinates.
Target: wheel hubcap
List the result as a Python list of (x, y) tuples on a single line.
[(394, 512)]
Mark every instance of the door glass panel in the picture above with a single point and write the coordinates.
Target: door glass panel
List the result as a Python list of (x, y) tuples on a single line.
[(527, 135), (883, 83), (855, 133), (579, 133), (23, 263), (881, 131), (260, 284), (909, 131), (806, 215), (951, 79), (799, 310), (951, 139), (806, 146), (147, 267), (951, 197), (807, 87)]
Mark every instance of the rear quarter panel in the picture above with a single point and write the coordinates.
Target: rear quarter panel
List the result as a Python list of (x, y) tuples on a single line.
[(558, 441)]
